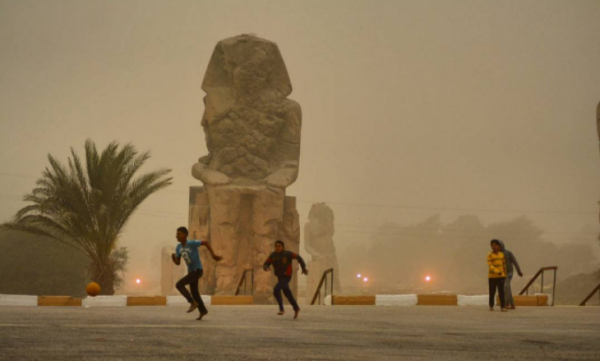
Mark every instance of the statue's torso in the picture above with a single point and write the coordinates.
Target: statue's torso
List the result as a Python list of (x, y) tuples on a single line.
[(244, 143)]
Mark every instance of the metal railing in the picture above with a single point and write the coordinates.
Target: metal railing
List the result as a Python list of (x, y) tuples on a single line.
[(244, 281), (597, 289), (541, 272), (324, 281)]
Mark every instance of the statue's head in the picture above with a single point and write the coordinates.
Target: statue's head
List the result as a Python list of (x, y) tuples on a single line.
[(241, 67), (322, 213)]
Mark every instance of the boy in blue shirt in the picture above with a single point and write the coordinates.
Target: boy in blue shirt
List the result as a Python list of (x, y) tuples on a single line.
[(188, 250)]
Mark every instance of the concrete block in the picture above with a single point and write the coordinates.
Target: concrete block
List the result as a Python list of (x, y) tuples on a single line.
[(542, 299), (58, 301), (354, 300), (437, 300), (396, 300), (478, 300), (525, 301), (177, 301), (105, 301), (146, 301), (18, 300), (181, 301)]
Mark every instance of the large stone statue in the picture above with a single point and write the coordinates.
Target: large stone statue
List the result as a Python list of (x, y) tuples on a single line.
[(318, 242), (252, 133)]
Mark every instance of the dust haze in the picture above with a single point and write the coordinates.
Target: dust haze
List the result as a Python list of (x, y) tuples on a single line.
[(428, 127)]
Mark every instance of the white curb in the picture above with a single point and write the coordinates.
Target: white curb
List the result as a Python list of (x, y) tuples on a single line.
[(480, 300), (181, 301), (396, 300), (18, 300), (105, 301)]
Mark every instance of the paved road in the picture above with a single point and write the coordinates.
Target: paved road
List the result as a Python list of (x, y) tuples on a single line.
[(322, 333)]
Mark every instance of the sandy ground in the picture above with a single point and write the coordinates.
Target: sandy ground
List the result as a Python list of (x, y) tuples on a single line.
[(322, 333)]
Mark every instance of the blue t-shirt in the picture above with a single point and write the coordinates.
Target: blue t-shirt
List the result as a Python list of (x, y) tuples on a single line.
[(190, 254)]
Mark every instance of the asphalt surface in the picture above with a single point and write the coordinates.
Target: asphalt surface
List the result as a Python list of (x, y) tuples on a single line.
[(321, 333)]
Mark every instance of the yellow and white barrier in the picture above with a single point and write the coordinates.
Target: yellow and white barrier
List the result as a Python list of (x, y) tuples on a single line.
[(368, 300), (430, 300)]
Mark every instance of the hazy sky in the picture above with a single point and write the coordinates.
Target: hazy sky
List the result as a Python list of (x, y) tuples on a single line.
[(449, 106)]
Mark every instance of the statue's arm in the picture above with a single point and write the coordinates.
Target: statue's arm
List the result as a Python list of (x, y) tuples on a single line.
[(289, 148), (208, 176), (200, 170)]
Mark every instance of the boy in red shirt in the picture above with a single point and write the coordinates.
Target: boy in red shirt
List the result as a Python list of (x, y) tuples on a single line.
[(282, 264)]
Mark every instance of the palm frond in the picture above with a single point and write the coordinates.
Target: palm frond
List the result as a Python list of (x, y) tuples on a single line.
[(87, 207)]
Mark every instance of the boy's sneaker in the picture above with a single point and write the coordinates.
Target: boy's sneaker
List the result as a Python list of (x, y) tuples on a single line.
[(193, 306)]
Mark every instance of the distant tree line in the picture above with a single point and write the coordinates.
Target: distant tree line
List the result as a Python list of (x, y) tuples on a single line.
[(455, 253)]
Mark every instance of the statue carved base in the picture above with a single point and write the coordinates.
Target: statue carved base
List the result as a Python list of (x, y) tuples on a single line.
[(243, 223)]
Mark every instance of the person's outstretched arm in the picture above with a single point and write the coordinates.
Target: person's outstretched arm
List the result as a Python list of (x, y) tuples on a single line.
[(301, 261), (268, 263), (514, 261), (176, 257), (210, 249)]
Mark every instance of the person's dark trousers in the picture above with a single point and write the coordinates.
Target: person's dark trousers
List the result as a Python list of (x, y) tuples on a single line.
[(283, 284), (192, 279), (510, 301), (497, 283)]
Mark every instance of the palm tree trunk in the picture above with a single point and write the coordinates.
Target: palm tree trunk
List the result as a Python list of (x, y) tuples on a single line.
[(103, 273)]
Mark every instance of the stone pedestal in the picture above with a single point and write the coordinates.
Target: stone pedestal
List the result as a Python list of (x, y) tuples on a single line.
[(243, 224)]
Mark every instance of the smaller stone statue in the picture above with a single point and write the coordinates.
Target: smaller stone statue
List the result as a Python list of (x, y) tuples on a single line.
[(318, 242)]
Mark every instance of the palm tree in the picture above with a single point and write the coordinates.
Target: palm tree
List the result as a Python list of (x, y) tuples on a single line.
[(88, 208)]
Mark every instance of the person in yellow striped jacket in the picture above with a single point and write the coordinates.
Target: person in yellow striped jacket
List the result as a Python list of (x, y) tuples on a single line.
[(496, 274)]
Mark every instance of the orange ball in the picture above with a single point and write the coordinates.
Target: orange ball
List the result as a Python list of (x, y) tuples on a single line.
[(93, 289)]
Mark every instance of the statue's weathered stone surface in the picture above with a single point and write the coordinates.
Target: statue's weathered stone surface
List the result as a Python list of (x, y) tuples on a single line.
[(252, 134), (318, 242), (252, 129)]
